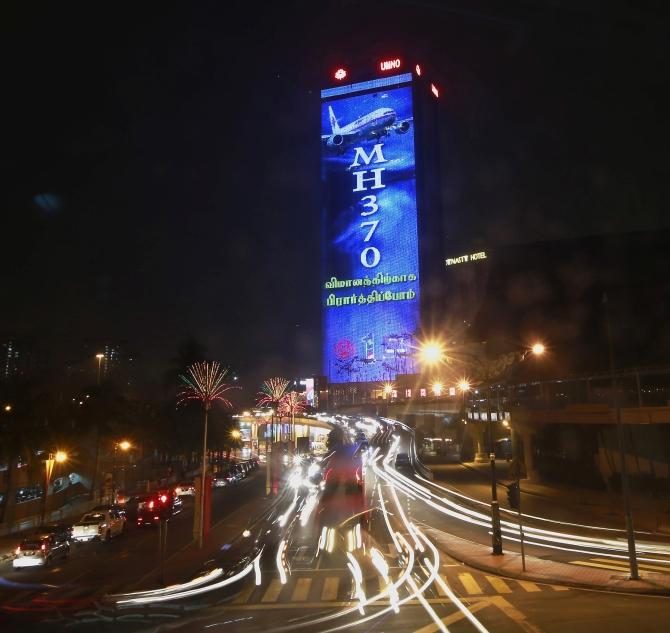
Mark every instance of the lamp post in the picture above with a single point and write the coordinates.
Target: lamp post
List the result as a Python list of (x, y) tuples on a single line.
[(99, 357), (537, 349), (57, 457), (124, 445), (236, 435)]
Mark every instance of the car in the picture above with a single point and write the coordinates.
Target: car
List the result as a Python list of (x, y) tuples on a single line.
[(111, 506), (223, 478), (185, 489), (99, 524), (41, 549), (61, 531), (344, 468), (402, 462), (158, 506)]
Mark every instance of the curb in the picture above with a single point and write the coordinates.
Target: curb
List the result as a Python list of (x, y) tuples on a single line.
[(507, 573)]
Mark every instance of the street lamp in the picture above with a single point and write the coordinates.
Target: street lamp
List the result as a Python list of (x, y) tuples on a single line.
[(99, 357), (124, 445), (59, 457), (431, 352), (537, 349), (236, 435), (388, 390), (7, 408)]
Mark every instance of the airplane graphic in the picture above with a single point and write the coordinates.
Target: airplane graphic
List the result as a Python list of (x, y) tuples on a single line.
[(375, 125)]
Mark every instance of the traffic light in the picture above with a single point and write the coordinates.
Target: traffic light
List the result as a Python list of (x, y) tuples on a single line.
[(514, 495)]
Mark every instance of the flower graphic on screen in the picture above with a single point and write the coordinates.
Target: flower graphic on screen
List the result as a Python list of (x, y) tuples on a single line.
[(344, 349)]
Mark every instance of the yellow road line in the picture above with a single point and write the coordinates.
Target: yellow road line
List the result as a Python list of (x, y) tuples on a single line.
[(272, 592), (330, 587), (529, 586), (648, 566), (451, 619), (498, 584), (585, 563), (514, 614), (301, 591), (469, 583), (559, 588)]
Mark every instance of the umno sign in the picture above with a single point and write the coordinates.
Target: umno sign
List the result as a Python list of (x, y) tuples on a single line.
[(389, 64)]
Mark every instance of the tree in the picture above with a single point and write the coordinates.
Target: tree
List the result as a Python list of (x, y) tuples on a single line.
[(271, 393), (291, 404), (204, 383)]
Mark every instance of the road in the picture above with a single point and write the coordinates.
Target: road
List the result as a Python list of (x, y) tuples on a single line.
[(124, 563), (334, 558)]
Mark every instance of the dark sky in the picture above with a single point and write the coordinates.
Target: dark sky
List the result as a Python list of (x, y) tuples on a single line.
[(179, 144)]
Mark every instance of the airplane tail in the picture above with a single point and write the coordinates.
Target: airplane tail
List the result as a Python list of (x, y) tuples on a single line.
[(333, 121)]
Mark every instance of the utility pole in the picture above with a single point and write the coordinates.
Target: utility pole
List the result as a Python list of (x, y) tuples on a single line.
[(625, 488), (496, 532)]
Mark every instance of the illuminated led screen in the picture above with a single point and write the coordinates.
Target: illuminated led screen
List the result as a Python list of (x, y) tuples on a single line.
[(370, 283)]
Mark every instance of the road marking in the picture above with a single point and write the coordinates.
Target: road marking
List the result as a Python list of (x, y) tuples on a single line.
[(301, 591), (559, 588), (498, 584), (330, 587), (245, 594), (469, 583), (585, 563), (661, 568), (272, 592), (454, 617), (514, 614), (529, 586)]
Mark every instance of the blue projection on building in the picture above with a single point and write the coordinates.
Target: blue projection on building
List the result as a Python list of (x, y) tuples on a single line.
[(370, 288)]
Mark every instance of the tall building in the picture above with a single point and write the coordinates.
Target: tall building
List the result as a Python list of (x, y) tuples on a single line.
[(9, 361), (381, 222)]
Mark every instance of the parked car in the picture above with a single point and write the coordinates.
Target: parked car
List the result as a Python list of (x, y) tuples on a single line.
[(41, 549), (114, 506), (185, 489), (157, 506), (99, 524)]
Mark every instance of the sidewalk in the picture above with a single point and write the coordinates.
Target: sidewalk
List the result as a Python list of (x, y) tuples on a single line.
[(546, 571), (595, 506)]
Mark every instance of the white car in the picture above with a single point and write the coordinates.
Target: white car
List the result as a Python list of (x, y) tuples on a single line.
[(185, 490), (41, 549), (100, 524)]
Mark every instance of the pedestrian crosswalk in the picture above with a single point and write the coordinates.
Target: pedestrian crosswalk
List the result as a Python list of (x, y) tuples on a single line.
[(335, 586), (621, 565)]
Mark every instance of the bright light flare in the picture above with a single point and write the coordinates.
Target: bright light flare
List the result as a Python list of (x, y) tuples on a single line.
[(463, 385), (437, 388), (60, 457), (538, 349), (431, 352)]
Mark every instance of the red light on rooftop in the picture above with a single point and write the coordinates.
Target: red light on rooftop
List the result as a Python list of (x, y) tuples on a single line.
[(390, 64), (434, 90), (418, 70), (340, 74)]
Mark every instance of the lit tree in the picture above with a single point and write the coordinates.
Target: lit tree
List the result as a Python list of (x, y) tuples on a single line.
[(270, 395), (204, 382), (292, 403)]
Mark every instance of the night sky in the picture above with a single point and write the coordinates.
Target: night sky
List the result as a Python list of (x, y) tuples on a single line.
[(160, 164)]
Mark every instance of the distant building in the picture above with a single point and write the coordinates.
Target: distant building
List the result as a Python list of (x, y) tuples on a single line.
[(9, 360)]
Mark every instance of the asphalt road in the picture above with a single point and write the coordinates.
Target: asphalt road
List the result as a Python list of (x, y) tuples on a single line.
[(121, 564)]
